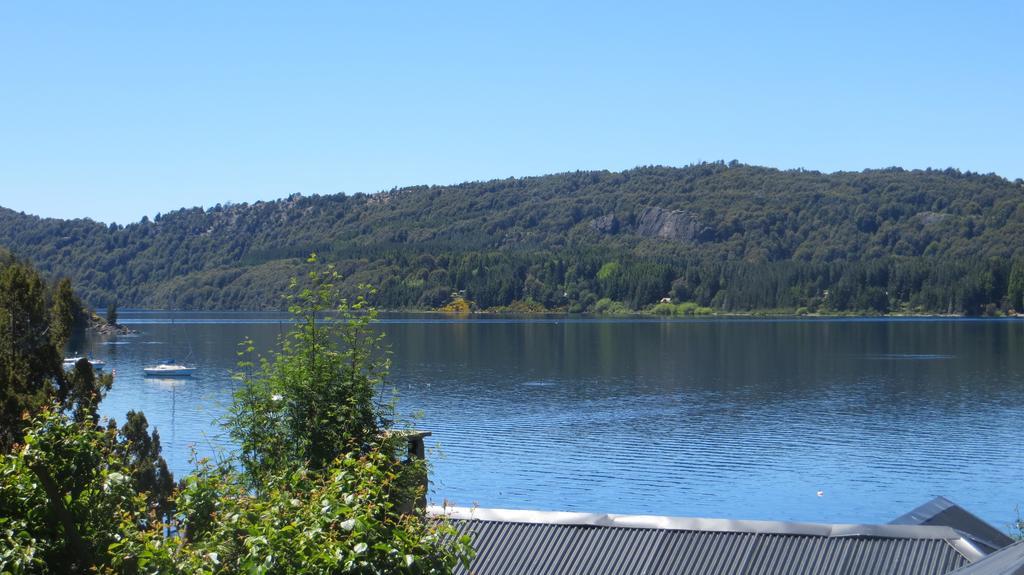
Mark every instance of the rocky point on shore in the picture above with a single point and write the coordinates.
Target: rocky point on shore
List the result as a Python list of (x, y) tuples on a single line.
[(99, 325)]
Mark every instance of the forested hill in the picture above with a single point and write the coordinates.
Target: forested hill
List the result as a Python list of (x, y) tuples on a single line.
[(729, 236)]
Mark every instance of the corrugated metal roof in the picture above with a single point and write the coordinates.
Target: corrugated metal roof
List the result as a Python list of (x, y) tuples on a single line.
[(942, 511), (1007, 561), (530, 542)]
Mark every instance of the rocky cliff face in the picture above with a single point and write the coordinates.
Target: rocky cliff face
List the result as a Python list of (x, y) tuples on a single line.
[(677, 225), (931, 218), (606, 224)]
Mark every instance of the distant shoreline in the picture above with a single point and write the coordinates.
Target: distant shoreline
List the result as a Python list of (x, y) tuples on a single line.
[(489, 313)]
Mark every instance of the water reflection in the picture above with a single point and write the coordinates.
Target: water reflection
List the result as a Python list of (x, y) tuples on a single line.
[(708, 418)]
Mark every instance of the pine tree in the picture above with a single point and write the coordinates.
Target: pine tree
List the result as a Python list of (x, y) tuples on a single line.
[(1015, 287), (112, 313)]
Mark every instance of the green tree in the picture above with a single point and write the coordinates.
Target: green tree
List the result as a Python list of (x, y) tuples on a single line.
[(61, 484), (31, 369), (112, 312), (63, 313), (82, 392), (315, 400), (77, 498), (1015, 287), (141, 453), (64, 498)]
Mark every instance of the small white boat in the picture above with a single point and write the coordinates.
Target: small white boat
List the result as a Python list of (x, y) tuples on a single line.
[(97, 364), (168, 370)]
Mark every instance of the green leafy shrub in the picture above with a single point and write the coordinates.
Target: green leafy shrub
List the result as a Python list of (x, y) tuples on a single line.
[(605, 306), (319, 485), (341, 519), (65, 498), (664, 309), (686, 308), (316, 399)]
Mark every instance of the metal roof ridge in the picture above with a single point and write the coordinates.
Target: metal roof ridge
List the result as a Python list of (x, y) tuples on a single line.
[(933, 512), (1008, 560), (925, 511), (698, 523)]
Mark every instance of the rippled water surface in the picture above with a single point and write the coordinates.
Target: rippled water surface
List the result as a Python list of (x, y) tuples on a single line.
[(723, 418)]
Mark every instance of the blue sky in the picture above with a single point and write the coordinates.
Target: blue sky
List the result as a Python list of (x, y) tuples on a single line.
[(117, 110)]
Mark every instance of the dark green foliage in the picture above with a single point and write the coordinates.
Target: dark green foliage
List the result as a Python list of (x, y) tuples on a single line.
[(732, 236), (31, 371), (35, 324), (112, 313), (83, 390), (148, 469), (65, 313), (76, 497), (1015, 287), (342, 520), (316, 399), (62, 498), (60, 488)]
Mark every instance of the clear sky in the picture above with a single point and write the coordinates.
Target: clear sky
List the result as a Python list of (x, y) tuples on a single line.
[(115, 110)]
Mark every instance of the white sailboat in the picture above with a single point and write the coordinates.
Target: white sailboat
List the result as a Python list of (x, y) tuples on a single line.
[(168, 369)]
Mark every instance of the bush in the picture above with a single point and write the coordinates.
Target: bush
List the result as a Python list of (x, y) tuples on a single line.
[(686, 308), (340, 520), (317, 487), (65, 497), (664, 309), (313, 401), (606, 306)]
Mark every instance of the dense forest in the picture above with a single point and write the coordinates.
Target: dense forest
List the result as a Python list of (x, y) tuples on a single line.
[(726, 236)]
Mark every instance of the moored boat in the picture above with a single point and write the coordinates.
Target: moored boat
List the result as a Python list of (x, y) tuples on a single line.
[(168, 370), (97, 364)]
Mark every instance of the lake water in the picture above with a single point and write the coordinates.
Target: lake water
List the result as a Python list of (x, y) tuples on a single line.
[(720, 418)]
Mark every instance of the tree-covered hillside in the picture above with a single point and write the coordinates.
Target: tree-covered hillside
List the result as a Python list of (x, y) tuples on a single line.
[(729, 236)]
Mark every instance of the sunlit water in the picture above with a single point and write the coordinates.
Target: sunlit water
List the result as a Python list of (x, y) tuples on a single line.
[(722, 418)]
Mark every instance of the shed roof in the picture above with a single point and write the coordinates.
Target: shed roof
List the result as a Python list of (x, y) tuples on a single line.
[(942, 511), (1007, 561), (526, 542)]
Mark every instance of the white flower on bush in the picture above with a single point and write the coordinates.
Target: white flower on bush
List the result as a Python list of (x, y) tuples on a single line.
[(115, 479)]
